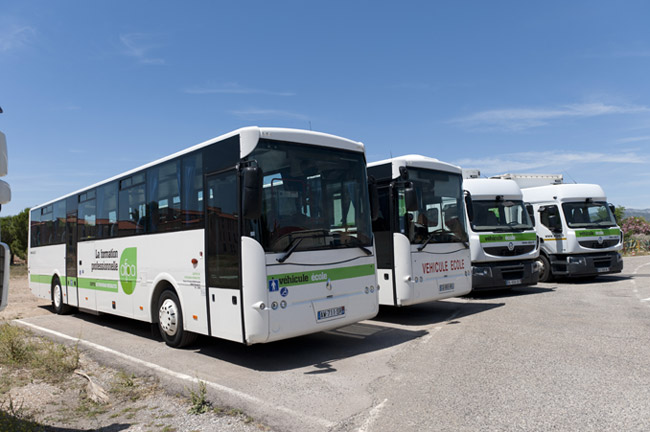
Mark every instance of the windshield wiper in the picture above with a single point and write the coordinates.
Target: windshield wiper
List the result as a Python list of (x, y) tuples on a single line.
[(292, 247), (357, 243), (445, 232), (299, 236)]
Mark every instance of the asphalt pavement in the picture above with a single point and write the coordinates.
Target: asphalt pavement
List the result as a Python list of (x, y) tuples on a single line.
[(567, 356)]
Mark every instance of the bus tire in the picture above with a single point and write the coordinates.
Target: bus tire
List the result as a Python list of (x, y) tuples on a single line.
[(170, 321), (60, 308), (545, 269)]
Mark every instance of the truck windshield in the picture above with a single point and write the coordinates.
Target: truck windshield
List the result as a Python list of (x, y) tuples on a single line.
[(588, 215), (500, 216), (313, 197), (440, 217)]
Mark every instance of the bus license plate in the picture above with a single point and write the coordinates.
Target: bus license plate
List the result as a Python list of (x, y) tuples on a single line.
[(331, 313), (602, 269), (446, 287), (513, 282)]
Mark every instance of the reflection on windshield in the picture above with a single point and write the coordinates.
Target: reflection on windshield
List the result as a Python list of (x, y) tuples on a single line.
[(588, 215), (440, 217), (500, 216), (313, 197)]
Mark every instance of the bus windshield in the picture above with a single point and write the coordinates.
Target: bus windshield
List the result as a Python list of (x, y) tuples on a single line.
[(500, 216), (313, 197), (440, 217), (588, 215)]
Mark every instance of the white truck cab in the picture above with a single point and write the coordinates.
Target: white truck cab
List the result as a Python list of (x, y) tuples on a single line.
[(503, 241), (578, 231)]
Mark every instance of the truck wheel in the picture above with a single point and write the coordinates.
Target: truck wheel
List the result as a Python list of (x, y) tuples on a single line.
[(545, 269), (60, 308), (170, 321)]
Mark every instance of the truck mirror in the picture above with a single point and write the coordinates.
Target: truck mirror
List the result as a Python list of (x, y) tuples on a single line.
[(251, 181), (410, 197), (531, 213), (613, 210)]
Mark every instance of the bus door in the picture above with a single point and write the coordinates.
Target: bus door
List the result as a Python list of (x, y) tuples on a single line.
[(223, 242), (70, 286)]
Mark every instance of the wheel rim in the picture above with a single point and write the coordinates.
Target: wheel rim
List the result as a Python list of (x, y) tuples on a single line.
[(168, 317), (57, 296)]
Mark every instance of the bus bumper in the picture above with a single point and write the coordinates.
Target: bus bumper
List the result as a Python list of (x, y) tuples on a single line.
[(584, 265), (506, 274)]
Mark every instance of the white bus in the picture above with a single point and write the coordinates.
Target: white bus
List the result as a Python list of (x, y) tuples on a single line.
[(421, 238), (258, 235)]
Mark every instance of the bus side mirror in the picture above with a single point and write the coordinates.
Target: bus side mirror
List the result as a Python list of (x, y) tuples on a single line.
[(410, 197), (251, 181), (469, 206), (374, 198), (531, 213)]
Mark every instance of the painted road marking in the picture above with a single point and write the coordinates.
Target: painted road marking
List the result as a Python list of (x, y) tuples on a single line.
[(372, 416), (245, 396)]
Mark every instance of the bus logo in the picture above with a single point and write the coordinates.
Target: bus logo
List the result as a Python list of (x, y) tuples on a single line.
[(129, 269), (274, 285)]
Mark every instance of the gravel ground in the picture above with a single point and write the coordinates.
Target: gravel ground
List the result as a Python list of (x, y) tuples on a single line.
[(136, 403)]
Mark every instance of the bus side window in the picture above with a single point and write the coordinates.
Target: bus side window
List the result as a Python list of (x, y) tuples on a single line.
[(192, 191), (107, 211), (164, 197), (132, 210), (35, 228), (87, 216)]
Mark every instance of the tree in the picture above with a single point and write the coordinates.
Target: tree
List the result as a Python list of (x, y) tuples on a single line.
[(14, 231), (20, 228)]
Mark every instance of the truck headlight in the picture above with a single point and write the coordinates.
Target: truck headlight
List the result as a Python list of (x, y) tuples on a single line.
[(576, 260), (482, 271)]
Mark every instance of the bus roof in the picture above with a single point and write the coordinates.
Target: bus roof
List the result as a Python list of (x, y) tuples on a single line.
[(416, 161), (249, 138)]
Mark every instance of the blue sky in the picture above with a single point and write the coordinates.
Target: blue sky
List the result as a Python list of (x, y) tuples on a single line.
[(90, 89)]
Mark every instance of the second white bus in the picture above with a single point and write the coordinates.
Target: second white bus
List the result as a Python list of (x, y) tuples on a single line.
[(422, 244)]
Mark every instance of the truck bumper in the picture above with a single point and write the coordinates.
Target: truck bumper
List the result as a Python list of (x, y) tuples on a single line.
[(507, 274), (586, 264)]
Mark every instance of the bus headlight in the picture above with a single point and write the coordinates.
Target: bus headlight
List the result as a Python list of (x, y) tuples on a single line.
[(274, 305), (283, 304)]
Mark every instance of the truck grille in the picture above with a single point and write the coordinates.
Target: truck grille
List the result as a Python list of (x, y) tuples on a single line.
[(503, 250), (593, 244)]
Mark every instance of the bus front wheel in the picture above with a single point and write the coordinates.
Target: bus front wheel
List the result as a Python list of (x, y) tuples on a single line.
[(170, 321)]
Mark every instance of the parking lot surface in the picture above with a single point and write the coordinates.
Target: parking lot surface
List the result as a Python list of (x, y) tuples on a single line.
[(567, 355)]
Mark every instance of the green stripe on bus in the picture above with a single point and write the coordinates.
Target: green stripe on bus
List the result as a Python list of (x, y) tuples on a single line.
[(308, 277), (598, 232), (507, 237), (98, 284), (44, 279)]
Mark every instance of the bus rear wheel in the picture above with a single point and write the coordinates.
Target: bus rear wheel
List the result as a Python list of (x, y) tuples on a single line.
[(170, 321), (60, 308)]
